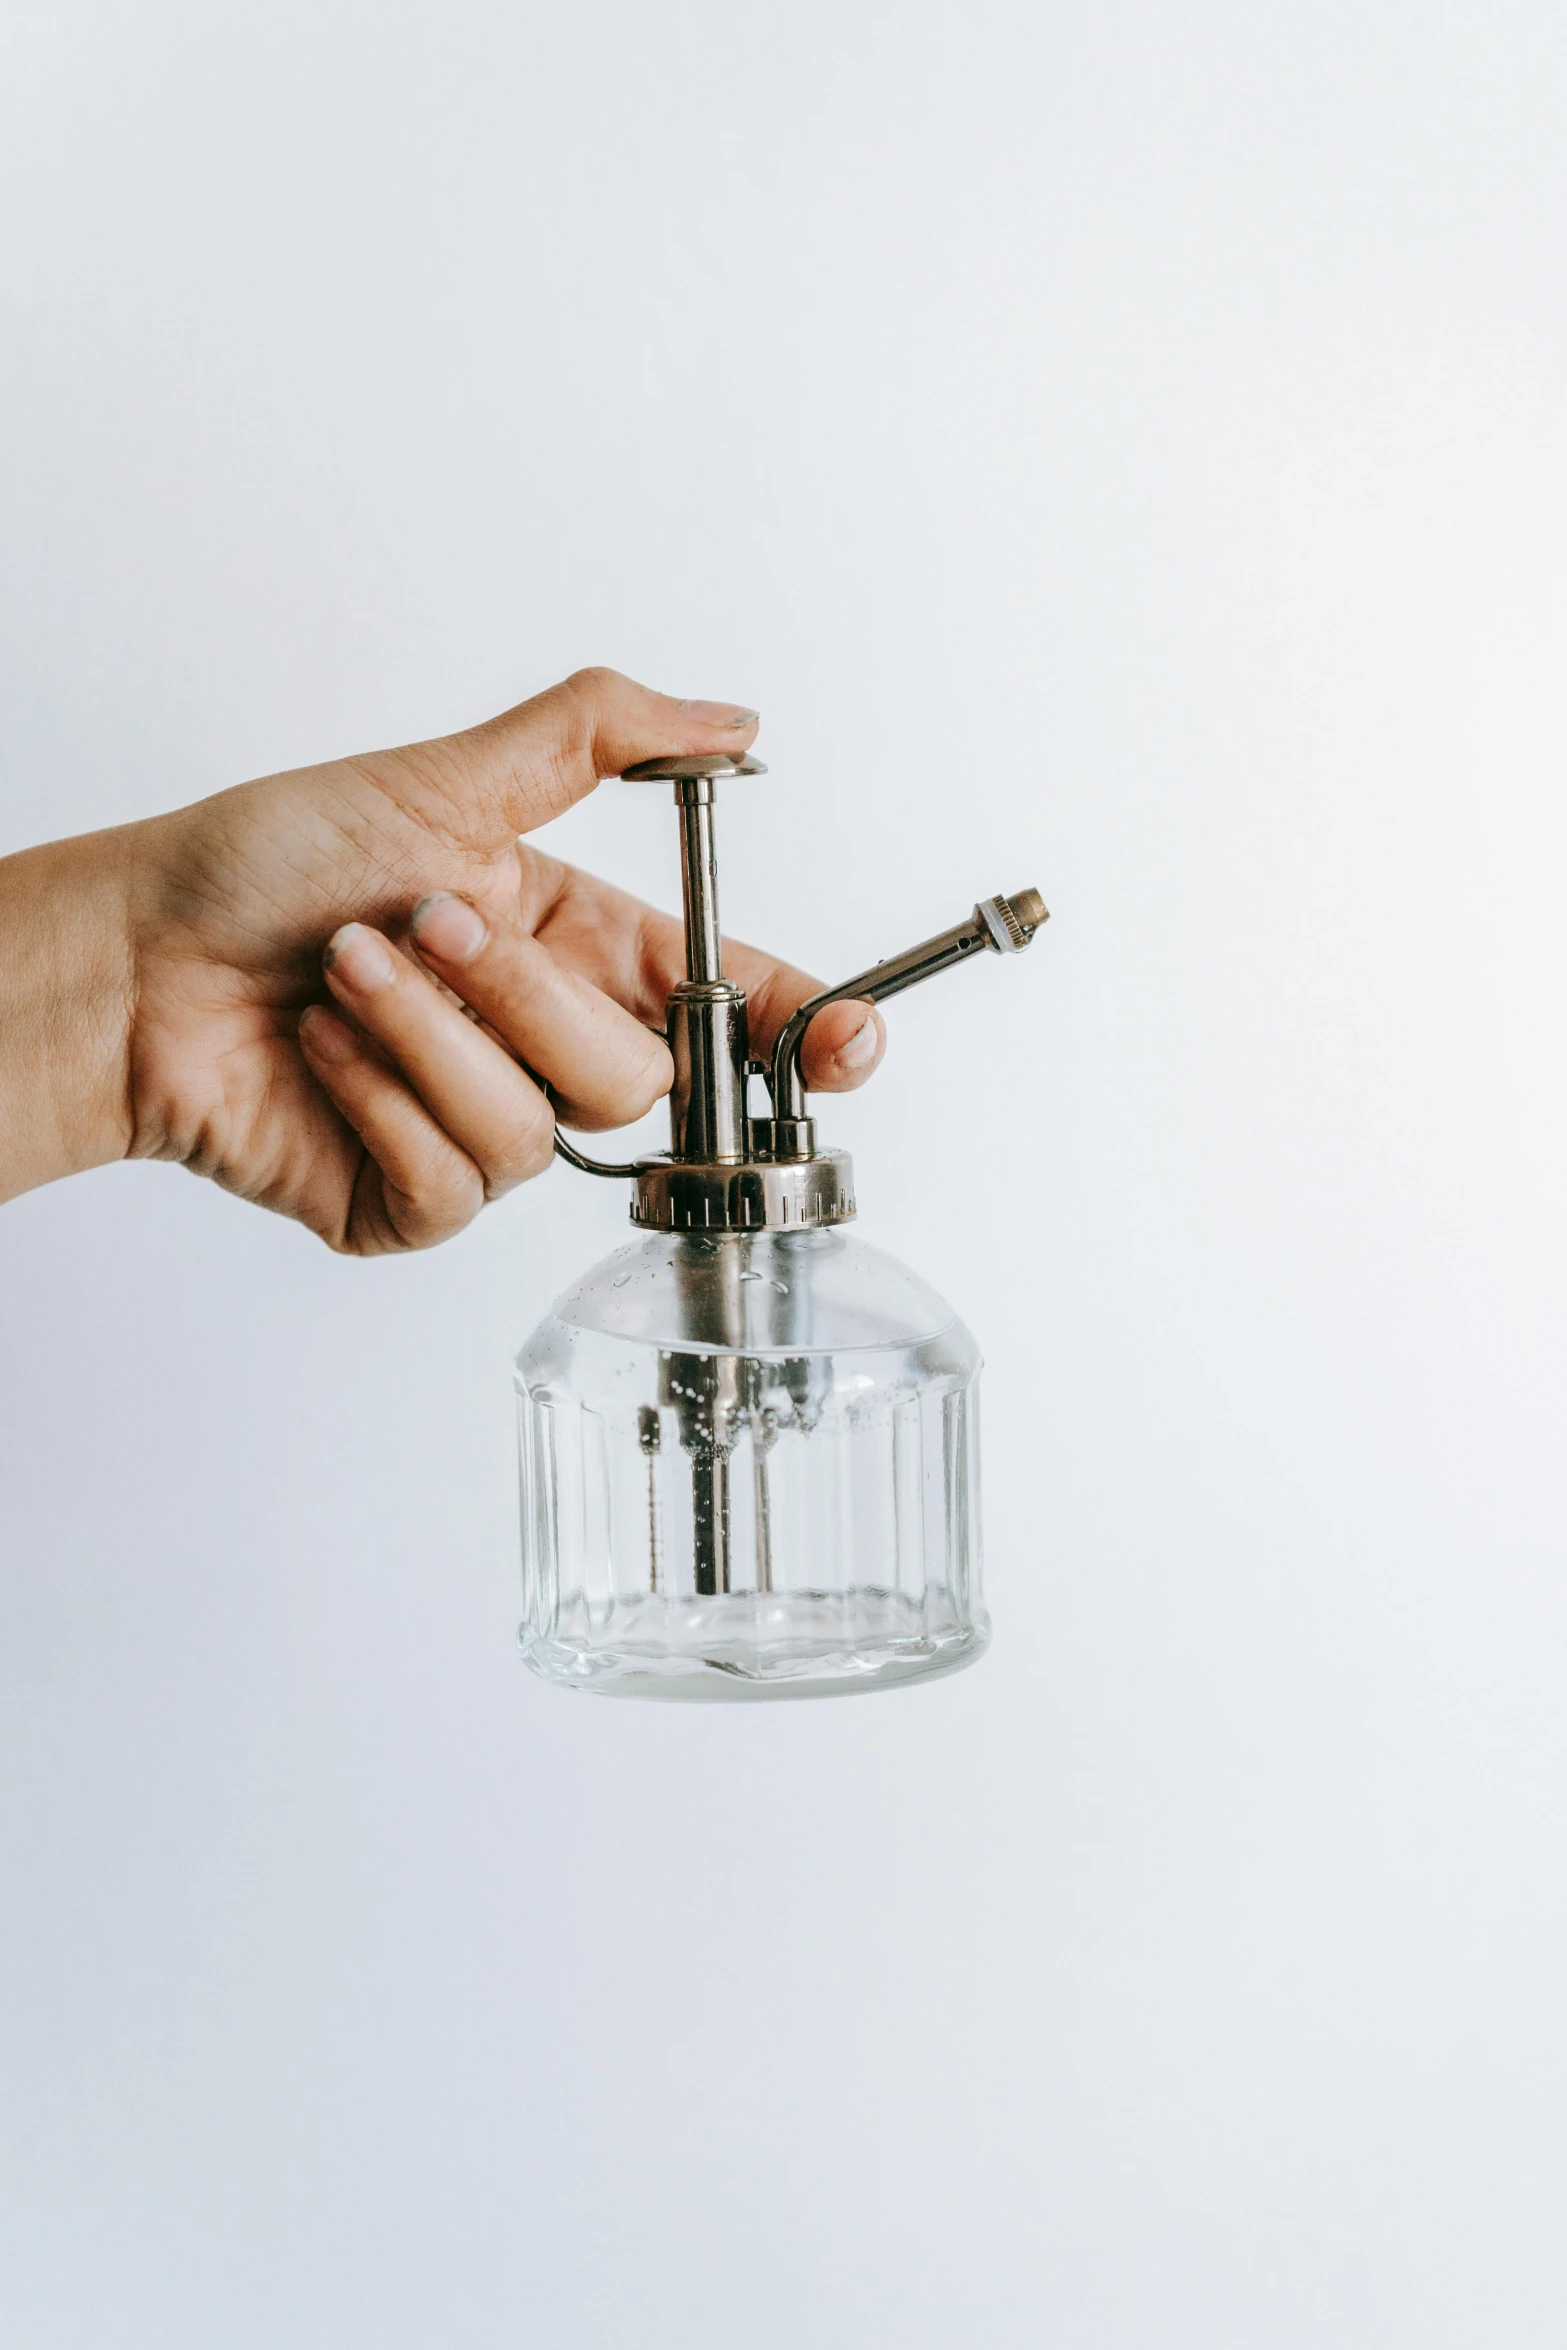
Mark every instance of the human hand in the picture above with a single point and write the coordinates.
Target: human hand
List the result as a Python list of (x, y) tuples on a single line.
[(162, 996)]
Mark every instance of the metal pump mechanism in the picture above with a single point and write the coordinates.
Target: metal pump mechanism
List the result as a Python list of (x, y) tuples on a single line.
[(725, 1170)]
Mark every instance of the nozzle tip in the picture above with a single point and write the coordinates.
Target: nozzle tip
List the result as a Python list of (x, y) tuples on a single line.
[(1030, 908), (1013, 921)]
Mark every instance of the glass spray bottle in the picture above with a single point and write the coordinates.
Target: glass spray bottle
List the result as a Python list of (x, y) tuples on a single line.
[(748, 1440)]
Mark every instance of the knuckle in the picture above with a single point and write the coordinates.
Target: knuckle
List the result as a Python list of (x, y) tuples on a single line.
[(624, 1091), (525, 1151), (440, 1201), (425, 1219), (646, 1083), (595, 681)]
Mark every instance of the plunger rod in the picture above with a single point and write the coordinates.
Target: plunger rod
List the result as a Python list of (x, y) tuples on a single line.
[(699, 878), (706, 1016)]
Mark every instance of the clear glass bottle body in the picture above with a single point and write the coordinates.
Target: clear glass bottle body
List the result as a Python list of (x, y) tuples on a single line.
[(749, 1469)]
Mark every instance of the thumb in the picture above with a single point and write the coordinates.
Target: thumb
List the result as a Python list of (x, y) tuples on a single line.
[(517, 771)]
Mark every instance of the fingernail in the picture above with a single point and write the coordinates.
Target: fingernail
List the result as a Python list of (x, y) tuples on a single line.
[(719, 714), (448, 926), (861, 1046), (359, 957), (327, 1038)]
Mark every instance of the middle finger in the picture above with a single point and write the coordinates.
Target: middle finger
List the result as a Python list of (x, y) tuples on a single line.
[(469, 1084), (603, 1066)]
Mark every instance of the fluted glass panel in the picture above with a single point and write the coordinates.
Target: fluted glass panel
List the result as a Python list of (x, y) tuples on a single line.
[(748, 1471)]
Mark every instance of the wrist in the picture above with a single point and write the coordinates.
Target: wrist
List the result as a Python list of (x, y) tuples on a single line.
[(67, 991)]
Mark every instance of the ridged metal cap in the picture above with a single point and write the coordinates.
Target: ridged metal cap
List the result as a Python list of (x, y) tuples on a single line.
[(762, 1196), (1013, 921)]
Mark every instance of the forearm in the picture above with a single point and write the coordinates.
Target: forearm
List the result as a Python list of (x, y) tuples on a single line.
[(66, 992)]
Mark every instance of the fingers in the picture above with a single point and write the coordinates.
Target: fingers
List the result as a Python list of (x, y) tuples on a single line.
[(446, 1113), (448, 1080), (429, 1188), (843, 1046), (516, 771), (604, 1066), (630, 952)]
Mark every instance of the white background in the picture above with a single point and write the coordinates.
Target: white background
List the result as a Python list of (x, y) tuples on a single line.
[(1119, 447)]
